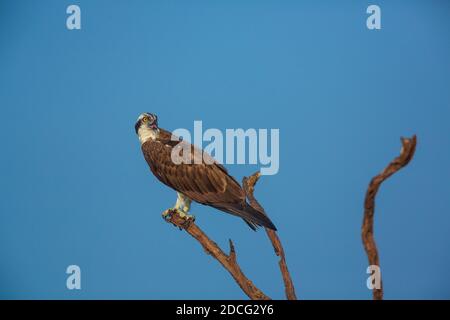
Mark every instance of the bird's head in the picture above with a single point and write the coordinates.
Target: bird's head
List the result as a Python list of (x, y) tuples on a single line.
[(146, 126)]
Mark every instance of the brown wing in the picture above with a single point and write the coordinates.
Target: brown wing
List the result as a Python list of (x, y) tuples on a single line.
[(206, 183)]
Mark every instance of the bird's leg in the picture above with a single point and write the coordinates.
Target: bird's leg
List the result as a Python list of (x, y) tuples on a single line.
[(182, 207)]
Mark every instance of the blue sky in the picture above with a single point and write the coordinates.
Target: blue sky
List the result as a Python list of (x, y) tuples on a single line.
[(76, 189)]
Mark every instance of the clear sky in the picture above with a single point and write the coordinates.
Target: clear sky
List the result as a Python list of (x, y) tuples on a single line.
[(75, 188)]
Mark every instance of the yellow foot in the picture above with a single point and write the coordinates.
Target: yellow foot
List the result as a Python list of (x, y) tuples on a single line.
[(186, 216)]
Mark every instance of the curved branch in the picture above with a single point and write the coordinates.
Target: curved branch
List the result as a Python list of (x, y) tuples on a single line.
[(249, 188), (406, 154), (229, 262)]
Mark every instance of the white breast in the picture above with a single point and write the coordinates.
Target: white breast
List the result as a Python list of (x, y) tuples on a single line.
[(146, 134)]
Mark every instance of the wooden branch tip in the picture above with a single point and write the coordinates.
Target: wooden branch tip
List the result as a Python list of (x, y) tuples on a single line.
[(232, 254), (406, 154)]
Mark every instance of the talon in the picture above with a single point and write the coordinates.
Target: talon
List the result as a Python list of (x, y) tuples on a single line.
[(185, 215), (167, 214), (188, 218)]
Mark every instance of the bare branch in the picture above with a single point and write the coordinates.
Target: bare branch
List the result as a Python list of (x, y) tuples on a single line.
[(249, 188), (229, 262), (406, 154)]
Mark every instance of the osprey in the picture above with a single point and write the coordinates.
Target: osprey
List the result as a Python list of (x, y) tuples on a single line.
[(201, 179)]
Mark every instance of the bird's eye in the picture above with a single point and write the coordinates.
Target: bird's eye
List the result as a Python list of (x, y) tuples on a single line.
[(144, 119)]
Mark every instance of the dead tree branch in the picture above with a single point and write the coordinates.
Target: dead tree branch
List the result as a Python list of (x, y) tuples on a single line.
[(406, 154), (229, 262), (249, 188)]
